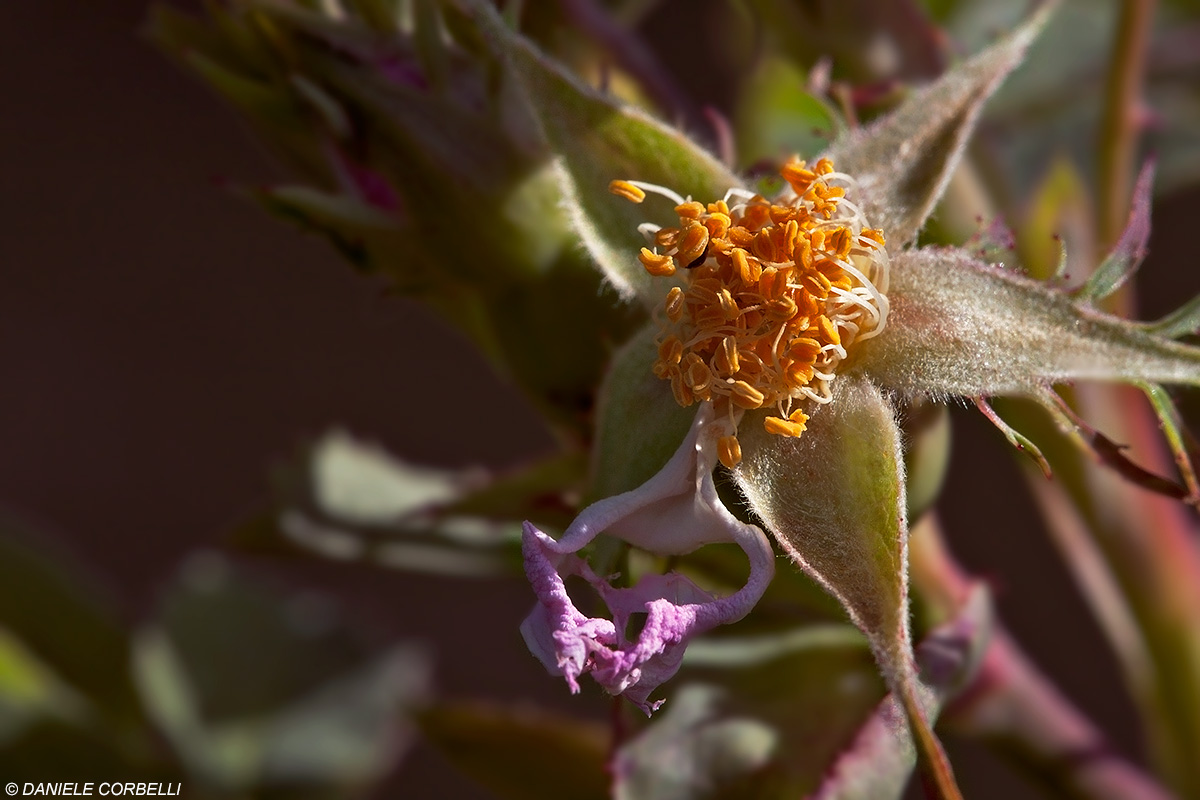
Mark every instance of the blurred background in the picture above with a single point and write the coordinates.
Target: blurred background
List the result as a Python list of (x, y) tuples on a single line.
[(164, 345)]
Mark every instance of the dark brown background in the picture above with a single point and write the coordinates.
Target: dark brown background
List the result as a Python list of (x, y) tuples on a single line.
[(162, 343)]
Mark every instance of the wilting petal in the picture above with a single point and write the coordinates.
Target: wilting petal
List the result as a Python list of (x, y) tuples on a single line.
[(959, 326), (674, 512), (903, 162)]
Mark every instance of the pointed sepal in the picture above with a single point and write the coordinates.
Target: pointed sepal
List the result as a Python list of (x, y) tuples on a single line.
[(835, 500), (958, 326), (904, 161)]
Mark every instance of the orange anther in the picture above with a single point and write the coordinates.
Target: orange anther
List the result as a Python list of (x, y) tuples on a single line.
[(828, 330), (717, 224), (756, 215), (704, 290), (748, 269), (803, 349), (671, 350), (683, 395), (689, 211), (744, 395), (633, 194), (660, 266), (726, 360), (729, 451), (783, 427), (729, 306), (873, 234), (674, 304), (692, 243), (739, 236), (782, 309), (816, 283), (698, 376), (666, 237)]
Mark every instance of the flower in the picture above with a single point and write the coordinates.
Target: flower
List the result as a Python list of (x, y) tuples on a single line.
[(777, 293), (798, 325)]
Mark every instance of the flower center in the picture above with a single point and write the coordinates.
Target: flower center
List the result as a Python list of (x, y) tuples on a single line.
[(773, 295)]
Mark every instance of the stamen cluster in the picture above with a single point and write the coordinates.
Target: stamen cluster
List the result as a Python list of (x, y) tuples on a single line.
[(773, 294)]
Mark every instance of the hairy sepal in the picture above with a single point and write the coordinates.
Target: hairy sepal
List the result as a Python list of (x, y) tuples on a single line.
[(835, 500), (903, 162), (958, 326), (879, 761), (596, 139)]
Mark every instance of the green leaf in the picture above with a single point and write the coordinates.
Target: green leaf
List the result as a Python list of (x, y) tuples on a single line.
[(519, 752), (594, 140), (835, 500), (764, 716), (258, 689), (1183, 321), (349, 500), (87, 647), (1130, 249), (903, 162), (927, 434), (958, 326)]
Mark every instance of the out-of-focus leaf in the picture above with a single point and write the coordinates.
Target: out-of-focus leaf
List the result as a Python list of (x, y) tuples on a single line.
[(696, 751), (766, 719), (87, 646), (927, 434), (254, 689), (52, 750), (903, 162), (1057, 238), (595, 140), (521, 753), (29, 691), (352, 501), (777, 117)]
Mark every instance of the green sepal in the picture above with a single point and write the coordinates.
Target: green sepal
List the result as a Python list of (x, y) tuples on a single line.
[(639, 425), (594, 140), (903, 162), (835, 500), (961, 327)]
